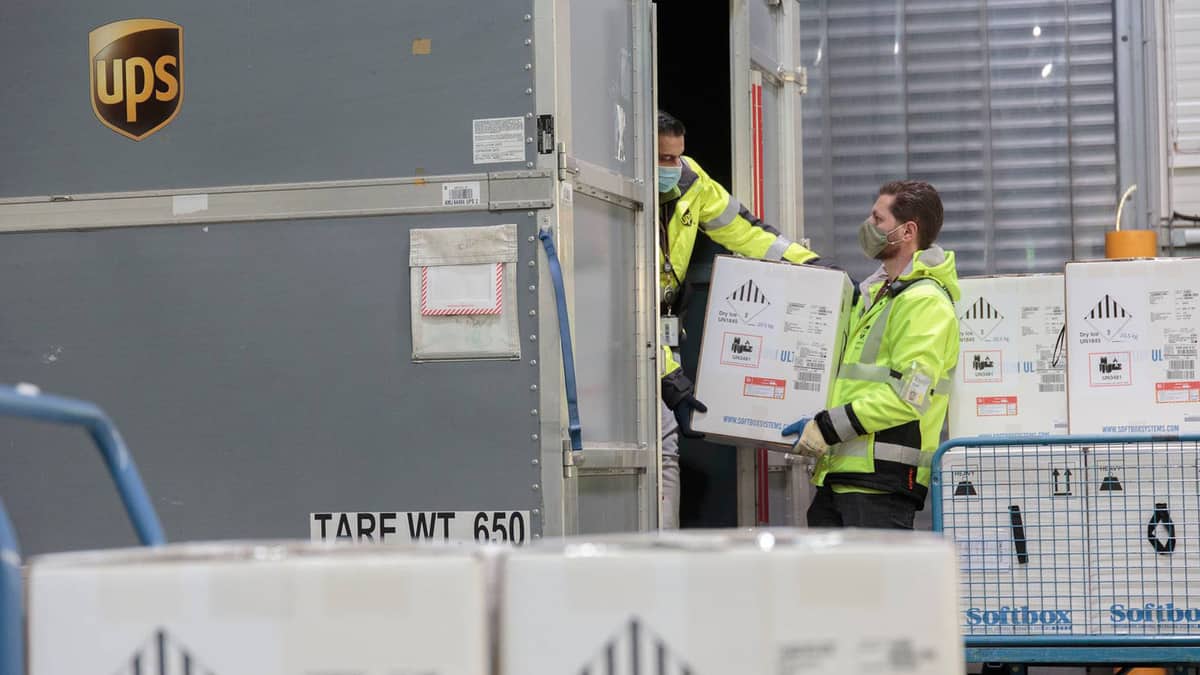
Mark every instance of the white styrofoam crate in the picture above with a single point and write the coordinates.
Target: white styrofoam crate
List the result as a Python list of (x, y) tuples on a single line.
[(772, 342), (1135, 588), (1133, 343), (267, 609), (768, 602), (1044, 589), (1010, 379)]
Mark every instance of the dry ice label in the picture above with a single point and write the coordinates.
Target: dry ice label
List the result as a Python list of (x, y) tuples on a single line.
[(746, 303), (1110, 369), (739, 349), (1108, 318), (980, 320), (162, 654), (633, 650), (136, 70), (982, 366)]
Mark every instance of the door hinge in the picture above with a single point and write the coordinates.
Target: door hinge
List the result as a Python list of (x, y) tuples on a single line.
[(571, 461), (566, 165)]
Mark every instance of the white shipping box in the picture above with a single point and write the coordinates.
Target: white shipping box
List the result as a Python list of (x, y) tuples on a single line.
[(773, 338), (262, 609), (1019, 520), (782, 602), (1145, 523), (1132, 329), (1008, 381)]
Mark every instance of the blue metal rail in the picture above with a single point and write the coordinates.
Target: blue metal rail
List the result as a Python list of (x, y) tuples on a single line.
[(1016, 455), (29, 404)]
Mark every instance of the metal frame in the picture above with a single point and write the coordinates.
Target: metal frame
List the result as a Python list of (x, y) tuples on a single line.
[(739, 84), (1073, 650), (552, 66), (747, 65), (561, 470), (651, 292), (645, 117), (1136, 43), (499, 191), (741, 124), (641, 459)]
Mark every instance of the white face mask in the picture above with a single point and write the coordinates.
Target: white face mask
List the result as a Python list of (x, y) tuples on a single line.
[(873, 242)]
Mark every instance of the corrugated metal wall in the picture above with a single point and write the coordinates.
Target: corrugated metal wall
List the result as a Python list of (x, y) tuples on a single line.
[(1007, 106), (1185, 113)]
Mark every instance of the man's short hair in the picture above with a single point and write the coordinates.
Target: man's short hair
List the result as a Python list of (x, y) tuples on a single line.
[(919, 202), (669, 126)]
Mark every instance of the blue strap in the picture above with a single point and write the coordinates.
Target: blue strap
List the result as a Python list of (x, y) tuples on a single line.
[(564, 334), (12, 599), (120, 465)]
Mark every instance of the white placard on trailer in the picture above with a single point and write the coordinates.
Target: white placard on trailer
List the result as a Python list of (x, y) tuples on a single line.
[(369, 527)]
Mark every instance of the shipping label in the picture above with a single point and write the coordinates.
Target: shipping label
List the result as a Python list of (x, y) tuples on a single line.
[(996, 406), (765, 387)]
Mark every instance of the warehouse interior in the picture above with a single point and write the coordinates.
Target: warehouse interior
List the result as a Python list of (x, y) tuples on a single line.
[(354, 340)]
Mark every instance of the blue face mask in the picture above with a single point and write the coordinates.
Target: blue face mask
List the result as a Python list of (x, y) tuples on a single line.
[(668, 177)]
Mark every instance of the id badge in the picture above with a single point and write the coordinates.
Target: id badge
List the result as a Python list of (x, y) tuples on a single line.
[(915, 386), (670, 330)]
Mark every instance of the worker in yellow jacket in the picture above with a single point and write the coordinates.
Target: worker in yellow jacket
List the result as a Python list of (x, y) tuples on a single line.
[(875, 442), (689, 203)]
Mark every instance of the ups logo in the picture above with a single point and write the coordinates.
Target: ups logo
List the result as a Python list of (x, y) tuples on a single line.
[(137, 75)]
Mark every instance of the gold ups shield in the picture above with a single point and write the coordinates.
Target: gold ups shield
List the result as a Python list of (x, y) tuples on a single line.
[(137, 75)]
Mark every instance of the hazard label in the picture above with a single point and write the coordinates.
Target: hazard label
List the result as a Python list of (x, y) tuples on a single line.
[(1110, 369), (980, 319), (739, 349), (1177, 392), (982, 366), (995, 406), (1108, 317), (764, 387), (748, 301)]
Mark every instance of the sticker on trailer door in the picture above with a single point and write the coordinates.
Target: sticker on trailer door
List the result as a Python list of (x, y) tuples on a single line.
[(764, 387), (982, 366), (460, 194), (371, 527), (1110, 369), (498, 140), (1177, 392)]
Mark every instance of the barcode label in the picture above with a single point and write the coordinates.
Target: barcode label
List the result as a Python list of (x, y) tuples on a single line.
[(1181, 374), (806, 381), (460, 194), (1049, 378), (1181, 364), (1051, 388)]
